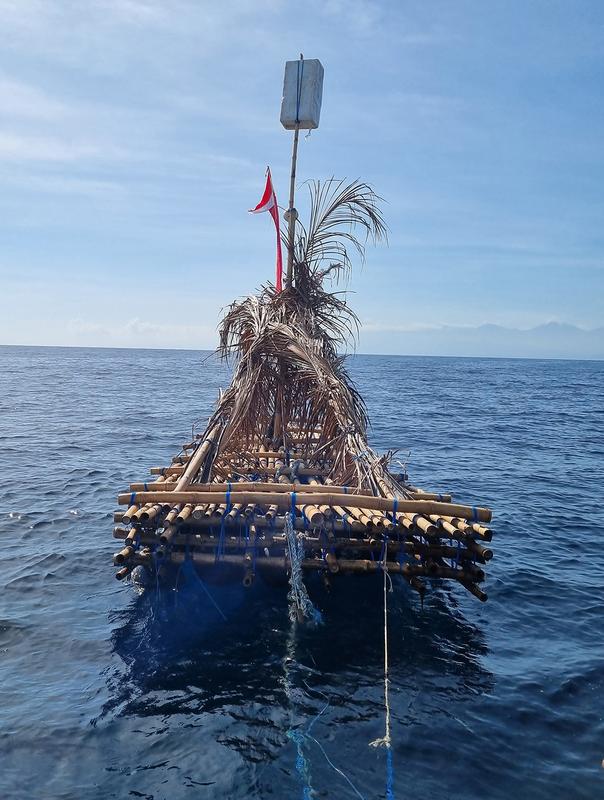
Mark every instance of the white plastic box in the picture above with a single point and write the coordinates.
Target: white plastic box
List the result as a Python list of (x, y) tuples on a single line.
[(302, 110)]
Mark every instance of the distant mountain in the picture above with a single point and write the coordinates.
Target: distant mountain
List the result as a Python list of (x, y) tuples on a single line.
[(552, 340)]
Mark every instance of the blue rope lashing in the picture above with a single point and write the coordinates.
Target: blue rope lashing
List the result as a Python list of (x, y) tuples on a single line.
[(146, 488), (293, 506), (394, 509), (474, 514), (457, 554), (347, 525), (132, 498)]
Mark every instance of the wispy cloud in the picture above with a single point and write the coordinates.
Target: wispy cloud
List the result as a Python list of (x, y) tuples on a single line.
[(16, 147), (19, 99), (143, 333)]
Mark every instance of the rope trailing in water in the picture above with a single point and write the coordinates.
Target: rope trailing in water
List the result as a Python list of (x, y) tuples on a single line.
[(301, 606), (386, 740), (300, 737)]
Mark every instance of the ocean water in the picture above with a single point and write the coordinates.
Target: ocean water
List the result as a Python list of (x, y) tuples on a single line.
[(108, 693)]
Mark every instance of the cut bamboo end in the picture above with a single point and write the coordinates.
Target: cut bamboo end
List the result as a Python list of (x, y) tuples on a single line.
[(122, 573), (123, 555)]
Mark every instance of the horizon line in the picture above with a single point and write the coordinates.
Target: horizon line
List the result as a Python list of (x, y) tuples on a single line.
[(351, 353)]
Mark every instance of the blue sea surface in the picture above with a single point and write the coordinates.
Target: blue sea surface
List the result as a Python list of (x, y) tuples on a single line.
[(109, 693)]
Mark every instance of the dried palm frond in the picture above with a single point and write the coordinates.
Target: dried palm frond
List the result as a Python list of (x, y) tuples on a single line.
[(287, 344), (337, 210)]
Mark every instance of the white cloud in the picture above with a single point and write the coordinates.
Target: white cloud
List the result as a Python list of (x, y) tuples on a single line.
[(16, 147), (141, 333), (66, 185), (19, 99)]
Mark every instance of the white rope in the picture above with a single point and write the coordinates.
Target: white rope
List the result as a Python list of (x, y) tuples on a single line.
[(385, 741), (301, 606)]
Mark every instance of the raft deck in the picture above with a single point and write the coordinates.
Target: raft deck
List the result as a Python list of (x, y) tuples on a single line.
[(232, 507)]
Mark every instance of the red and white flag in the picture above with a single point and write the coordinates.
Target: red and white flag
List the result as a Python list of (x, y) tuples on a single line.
[(269, 203)]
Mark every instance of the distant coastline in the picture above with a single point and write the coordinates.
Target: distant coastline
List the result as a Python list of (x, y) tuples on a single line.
[(555, 341)]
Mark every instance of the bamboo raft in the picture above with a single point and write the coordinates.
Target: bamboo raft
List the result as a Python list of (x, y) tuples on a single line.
[(220, 505), (285, 453)]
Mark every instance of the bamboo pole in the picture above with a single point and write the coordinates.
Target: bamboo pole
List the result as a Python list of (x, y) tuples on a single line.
[(424, 526), (319, 564), (184, 514), (284, 500), (339, 545), (127, 516), (361, 515), (123, 555), (122, 573), (172, 514), (281, 485), (199, 511), (195, 462), (292, 214)]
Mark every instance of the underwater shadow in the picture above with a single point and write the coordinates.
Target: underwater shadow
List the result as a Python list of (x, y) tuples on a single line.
[(183, 652)]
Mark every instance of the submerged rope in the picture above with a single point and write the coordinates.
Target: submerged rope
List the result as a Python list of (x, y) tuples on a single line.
[(299, 737), (386, 740)]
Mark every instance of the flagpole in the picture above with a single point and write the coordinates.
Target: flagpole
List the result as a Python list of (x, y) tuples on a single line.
[(291, 213)]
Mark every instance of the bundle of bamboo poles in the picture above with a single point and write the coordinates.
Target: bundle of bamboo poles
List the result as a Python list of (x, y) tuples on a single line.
[(288, 442), (236, 516)]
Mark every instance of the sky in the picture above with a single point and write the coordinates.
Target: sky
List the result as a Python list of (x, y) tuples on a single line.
[(135, 134)]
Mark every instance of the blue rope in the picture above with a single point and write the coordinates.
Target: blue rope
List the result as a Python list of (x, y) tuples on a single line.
[(457, 555), (301, 763), (220, 547), (132, 498), (394, 509), (389, 775), (299, 89), (190, 570)]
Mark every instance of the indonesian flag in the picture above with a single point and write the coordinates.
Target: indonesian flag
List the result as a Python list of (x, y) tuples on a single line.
[(269, 203)]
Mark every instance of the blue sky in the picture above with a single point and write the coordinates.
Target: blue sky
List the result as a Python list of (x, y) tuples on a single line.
[(134, 136)]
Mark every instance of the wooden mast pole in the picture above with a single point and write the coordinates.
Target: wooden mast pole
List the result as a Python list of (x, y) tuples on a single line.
[(291, 211)]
